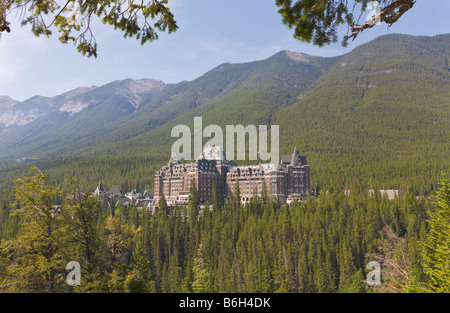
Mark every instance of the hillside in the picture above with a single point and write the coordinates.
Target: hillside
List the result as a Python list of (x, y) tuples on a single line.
[(378, 115), (35, 125), (381, 115)]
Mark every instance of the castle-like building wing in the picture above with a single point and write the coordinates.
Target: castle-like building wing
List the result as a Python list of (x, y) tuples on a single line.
[(286, 181)]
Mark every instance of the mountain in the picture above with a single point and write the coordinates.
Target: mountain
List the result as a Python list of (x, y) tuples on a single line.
[(378, 115), (381, 114), (6, 103), (37, 123), (107, 114)]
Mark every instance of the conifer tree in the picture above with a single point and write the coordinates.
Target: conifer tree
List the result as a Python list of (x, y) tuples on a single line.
[(139, 279), (214, 197), (121, 239), (318, 21), (237, 196), (174, 278), (39, 244), (264, 193), (200, 282), (81, 214), (193, 202), (162, 210), (74, 19), (436, 253)]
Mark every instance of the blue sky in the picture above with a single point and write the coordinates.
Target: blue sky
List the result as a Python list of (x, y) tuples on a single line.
[(211, 32)]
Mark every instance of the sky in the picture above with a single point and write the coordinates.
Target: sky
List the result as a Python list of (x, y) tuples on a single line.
[(211, 32)]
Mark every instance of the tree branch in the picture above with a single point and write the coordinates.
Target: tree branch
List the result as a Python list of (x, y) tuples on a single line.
[(387, 15)]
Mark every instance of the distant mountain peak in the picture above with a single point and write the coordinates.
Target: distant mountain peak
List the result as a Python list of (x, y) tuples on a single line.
[(297, 56), (4, 98), (7, 102), (281, 88), (72, 107), (148, 82)]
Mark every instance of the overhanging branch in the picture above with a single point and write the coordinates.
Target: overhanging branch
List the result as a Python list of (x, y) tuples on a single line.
[(389, 14)]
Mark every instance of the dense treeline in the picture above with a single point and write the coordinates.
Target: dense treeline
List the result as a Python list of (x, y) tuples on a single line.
[(319, 245), (128, 172), (376, 116)]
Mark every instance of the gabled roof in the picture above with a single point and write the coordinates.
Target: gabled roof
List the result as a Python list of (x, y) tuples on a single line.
[(115, 190), (124, 200), (293, 159), (100, 188), (286, 159), (140, 190)]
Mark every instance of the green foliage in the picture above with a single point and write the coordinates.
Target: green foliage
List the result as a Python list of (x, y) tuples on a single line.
[(437, 246), (139, 279), (193, 202), (377, 116), (318, 21), (200, 282), (138, 20), (319, 245), (36, 248), (363, 122)]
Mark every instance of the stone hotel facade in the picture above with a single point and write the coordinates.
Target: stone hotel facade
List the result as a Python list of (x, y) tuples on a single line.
[(287, 180)]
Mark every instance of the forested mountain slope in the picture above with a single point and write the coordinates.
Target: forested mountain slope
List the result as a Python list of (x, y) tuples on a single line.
[(377, 116)]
